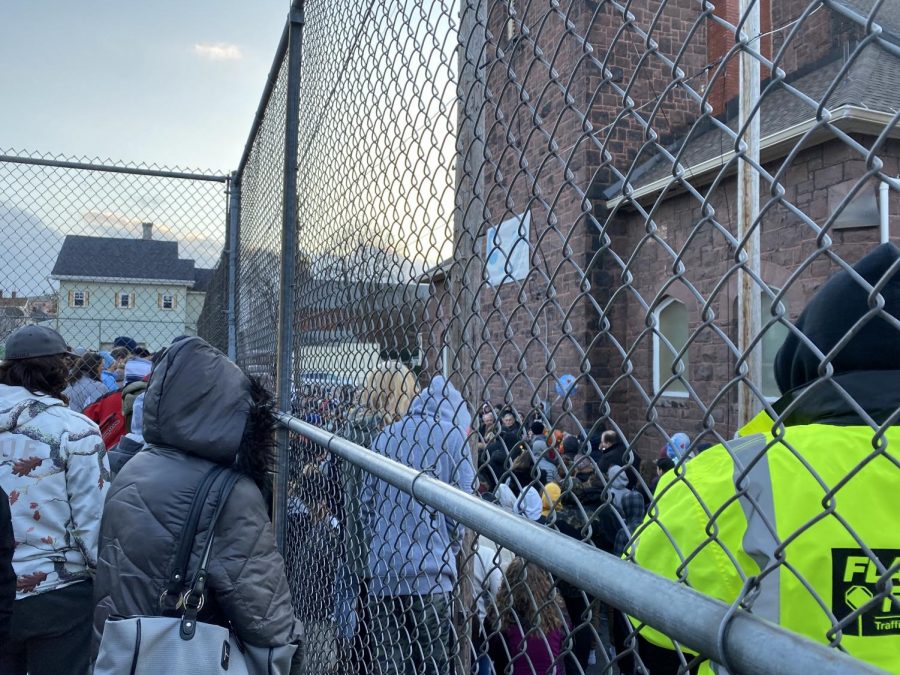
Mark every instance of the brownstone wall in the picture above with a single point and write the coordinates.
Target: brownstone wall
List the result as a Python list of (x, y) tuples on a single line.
[(555, 137), (549, 106), (659, 110), (787, 244), (817, 36)]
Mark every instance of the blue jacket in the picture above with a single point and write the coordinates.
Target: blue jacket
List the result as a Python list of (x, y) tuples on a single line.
[(412, 548), (109, 379)]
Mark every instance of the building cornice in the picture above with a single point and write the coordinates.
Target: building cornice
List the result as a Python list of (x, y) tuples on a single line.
[(124, 280), (847, 118)]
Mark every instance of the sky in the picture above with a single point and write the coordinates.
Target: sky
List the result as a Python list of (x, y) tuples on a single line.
[(171, 82), (176, 83)]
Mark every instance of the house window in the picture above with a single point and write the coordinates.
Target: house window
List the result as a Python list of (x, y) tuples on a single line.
[(166, 301), (124, 300), (78, 298), (670, 337), (773, 338)]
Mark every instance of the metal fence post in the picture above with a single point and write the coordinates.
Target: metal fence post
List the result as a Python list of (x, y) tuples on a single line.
[(234, 224), (288, 258)]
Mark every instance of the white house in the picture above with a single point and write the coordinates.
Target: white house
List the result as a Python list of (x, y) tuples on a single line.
[(140, 288)]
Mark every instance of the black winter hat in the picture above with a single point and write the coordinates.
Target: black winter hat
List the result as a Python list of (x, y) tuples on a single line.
[(834, 311), (124, 341), (571, 446)]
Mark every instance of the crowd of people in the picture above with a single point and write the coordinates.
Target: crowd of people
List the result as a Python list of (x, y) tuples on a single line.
[(97, 477), (401, 559), (91, 501), (365, 577)]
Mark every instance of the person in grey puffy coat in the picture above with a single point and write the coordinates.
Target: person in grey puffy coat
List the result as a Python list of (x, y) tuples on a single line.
[(199, 410)]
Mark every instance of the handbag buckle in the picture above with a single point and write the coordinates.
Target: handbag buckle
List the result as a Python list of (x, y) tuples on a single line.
[(185, 601)]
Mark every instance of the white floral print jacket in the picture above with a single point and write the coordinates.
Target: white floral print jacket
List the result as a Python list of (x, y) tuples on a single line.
[(54, 469)]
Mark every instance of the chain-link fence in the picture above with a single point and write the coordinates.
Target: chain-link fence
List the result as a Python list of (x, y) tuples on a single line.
[(530, 279), (548, 254), (105, 251), (213, 322), (260, 181)]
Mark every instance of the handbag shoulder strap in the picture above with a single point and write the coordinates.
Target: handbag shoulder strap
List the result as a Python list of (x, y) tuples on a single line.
[(231, 478), (176, 578), (194, 598)]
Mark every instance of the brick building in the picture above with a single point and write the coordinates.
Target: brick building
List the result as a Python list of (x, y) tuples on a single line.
[(628, 174)]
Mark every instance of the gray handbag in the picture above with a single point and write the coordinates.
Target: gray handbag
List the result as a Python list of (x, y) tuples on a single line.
[(148, 645)]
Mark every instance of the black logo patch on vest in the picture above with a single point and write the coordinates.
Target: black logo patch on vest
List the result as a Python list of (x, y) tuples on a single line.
[(854, 584)]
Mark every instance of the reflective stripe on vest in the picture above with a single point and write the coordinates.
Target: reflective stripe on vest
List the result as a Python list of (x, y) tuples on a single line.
[(824, 491)]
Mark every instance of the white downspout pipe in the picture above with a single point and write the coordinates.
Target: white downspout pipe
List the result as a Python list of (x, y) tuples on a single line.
[(748, 227), (884, 211)]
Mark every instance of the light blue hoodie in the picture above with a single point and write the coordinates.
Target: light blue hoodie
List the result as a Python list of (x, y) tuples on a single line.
[(412, 549)]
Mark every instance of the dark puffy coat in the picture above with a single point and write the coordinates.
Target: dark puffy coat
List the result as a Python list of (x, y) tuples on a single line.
[(124, 450), (504, 449), (620, 455), (7, 575), (196, 414)]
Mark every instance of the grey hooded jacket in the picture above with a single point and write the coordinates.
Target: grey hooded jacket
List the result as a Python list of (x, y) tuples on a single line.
[(195, 412), (411, 550)]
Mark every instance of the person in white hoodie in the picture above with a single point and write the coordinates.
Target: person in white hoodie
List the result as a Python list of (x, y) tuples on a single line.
[(53, 468)]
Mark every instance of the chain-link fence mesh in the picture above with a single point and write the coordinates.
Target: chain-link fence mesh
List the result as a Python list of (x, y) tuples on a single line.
[(103, 251), (532, 264), (212, 324), (555, 256), (261, 185)]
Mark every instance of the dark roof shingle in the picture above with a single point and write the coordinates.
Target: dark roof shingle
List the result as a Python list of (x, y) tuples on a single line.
[(109, 257)]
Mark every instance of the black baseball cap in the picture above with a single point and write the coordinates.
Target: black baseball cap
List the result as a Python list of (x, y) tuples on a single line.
[(29, 342)]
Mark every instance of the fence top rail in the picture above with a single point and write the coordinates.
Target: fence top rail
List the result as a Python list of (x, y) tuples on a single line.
[(271, 80), (113, 168), (725, 634)]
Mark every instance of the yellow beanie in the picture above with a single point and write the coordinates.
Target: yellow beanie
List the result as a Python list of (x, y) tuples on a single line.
[(549, 498)]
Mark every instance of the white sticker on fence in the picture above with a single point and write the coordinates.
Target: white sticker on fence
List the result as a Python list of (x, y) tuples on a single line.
[(507, 250)]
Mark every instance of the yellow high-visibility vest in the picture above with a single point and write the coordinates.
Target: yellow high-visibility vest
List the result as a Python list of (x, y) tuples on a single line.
[(761, 507)]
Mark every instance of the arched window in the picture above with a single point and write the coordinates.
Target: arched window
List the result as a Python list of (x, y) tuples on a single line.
[(672, 324), (773, 338)]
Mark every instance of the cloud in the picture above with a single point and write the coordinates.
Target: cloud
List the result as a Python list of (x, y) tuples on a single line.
[(202, 244), (109, 219), (218, 51)]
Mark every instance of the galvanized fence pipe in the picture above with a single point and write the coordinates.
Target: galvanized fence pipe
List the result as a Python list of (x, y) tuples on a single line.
[(285, 352), (234, 224), (113, 168), (750, 645)]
